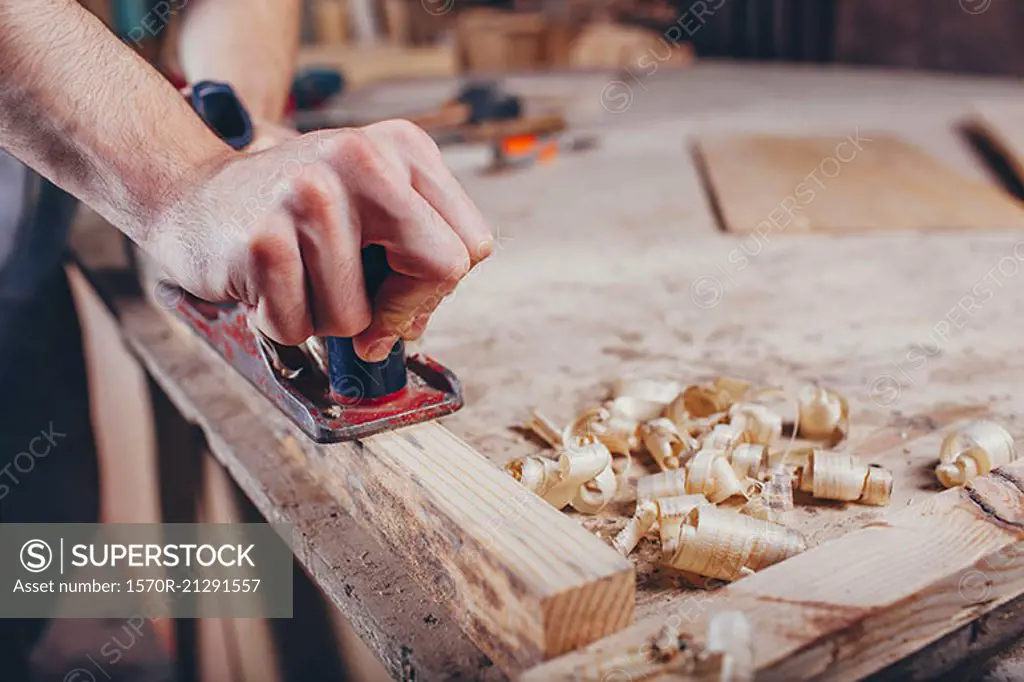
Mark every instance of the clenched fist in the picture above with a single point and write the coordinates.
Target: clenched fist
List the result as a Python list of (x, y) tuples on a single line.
[(281, 231)]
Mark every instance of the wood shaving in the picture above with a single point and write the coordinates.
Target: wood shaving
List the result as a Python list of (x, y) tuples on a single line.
[(728, 654), (977, 448), (537, 474), (651, 395), (582, 476), (824, 414), (711, 475), (595, 494), (544, 429), (639, 524), (839, 476), (724, 437), (713, 442), (704, 400), (773, 500), (757, 423), (617, 432), (672, 512), (749, 460), (719, 543), (665, 484), (669, 448)]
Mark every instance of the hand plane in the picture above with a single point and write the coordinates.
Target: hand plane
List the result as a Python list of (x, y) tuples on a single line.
[(323, 386)]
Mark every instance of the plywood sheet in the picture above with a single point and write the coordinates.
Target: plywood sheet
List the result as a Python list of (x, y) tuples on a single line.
[(773, 184)]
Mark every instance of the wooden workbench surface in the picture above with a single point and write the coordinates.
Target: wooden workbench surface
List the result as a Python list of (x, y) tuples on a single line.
[(610, 264)]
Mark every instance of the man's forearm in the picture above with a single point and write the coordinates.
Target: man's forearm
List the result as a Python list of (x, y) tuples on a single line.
[(83, 110), (250, 44)]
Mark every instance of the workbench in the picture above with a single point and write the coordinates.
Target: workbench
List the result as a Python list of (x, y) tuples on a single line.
[(593, 279)]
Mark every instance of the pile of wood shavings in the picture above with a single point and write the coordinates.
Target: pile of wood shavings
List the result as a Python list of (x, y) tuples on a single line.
[(727, 474)]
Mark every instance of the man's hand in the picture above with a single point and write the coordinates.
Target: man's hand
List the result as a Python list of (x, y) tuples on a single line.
[(281, 231)]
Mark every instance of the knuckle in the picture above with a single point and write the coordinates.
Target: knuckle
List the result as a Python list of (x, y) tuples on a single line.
[(408, 134), (358, 152), (317, 188), (267, 252)]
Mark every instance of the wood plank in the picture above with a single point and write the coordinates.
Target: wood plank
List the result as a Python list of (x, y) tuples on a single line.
[(858, 603), (857, 181), (525, 582), (365, 64), (393, 616)]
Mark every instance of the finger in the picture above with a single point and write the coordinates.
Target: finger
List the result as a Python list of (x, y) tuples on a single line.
[(402, 309), (432, 179), (277, 277), (419, 242), (329, 242), (445, 194)]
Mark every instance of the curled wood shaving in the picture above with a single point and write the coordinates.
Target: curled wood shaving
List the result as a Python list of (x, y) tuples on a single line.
[(749, 460), (824, 414), (839, 476), (544, 429), (639, 524), (729, 649), (614, 430), (667, 446), (758, 508), (665, 484), (704, 400), (672, 512), (652, 395), (595, 494), (711, 475), (724, 437), (537, 474), (587, 480), (877, 487), (977, 448), (719, 543), (778, 491), (656, 390), (582, 476), (627, 412), (758, 423), (773, 500)]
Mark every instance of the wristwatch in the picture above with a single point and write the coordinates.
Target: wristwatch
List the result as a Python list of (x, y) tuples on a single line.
[(222, 111)]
